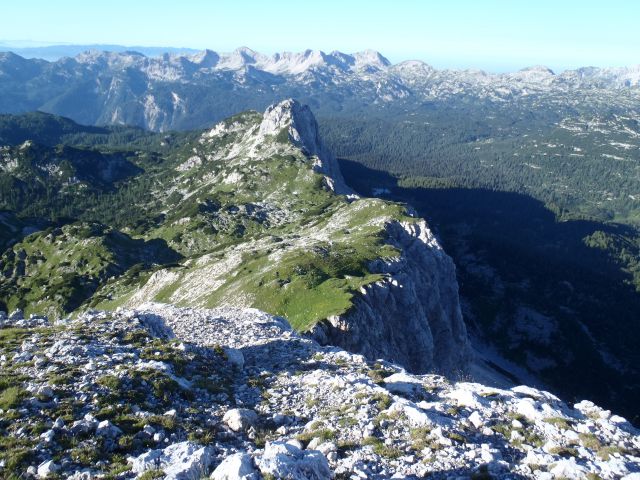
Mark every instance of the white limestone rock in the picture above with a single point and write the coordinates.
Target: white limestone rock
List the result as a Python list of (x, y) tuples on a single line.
[(302, 130), (465, 397), (569, 469), (108, 430), (238, 466), (235, 357), (240, 419), (283, 460), (47, 468), (411, 317), (180, 461), (476, 420), (48, 436), (322, 393), (403, 384)]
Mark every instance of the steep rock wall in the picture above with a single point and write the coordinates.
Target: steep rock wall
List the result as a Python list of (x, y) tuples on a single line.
[(413, 315)]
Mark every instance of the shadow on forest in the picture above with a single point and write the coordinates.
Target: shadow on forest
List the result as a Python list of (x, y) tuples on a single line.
[(543, 264)]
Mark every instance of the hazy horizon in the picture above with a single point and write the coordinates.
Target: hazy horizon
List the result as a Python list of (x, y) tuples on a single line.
[(19, 47), (494, 35)]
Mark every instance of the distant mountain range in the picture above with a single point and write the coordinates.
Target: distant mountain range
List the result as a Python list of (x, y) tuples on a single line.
[(52, 53), (183, 91)]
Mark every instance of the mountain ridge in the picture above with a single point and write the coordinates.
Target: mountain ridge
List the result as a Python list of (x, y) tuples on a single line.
[(255, 213), (214, 212), (193, 91), (374, 57)]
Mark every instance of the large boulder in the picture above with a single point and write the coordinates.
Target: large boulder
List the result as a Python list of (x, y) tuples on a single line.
[(180, 461), (569, 469), (235, 357), (240, 419), (107, 429), (47, 468), (284, 460), (403, 384), (238, 466)]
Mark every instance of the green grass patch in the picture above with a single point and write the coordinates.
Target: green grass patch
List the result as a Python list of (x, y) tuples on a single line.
[(379, 448), (11, 397), (565, 452), (325, 434), (590, 441), (13, 337), (560, 422)]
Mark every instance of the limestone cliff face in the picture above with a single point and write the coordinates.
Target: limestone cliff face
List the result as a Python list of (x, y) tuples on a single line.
[(411, 317)]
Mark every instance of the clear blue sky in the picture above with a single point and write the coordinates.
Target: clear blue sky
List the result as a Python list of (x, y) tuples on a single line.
[(491, 34)]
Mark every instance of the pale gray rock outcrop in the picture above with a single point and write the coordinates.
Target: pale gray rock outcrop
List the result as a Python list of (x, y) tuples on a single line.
[(239, 419), (107, 429), (47, 468), (235, 357), (320, 412)]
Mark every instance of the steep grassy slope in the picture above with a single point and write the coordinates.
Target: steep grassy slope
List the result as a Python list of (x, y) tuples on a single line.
[(56, 270)]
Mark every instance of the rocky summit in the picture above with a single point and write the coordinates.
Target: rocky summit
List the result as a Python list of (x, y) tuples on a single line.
[(183, 393)]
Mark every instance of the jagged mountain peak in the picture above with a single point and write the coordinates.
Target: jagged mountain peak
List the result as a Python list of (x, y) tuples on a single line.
[(302, 130), (298, 118), (371, 58), (617, 77), (244, 50), (247, 54), (119, 59), (295, 63), (10, 56), (206, 58), (308, 53), (315, 68), (414, 67), (536, 74), (240, 58)]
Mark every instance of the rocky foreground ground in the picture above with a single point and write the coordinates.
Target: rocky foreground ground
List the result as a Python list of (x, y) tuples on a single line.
[(178, 393)]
